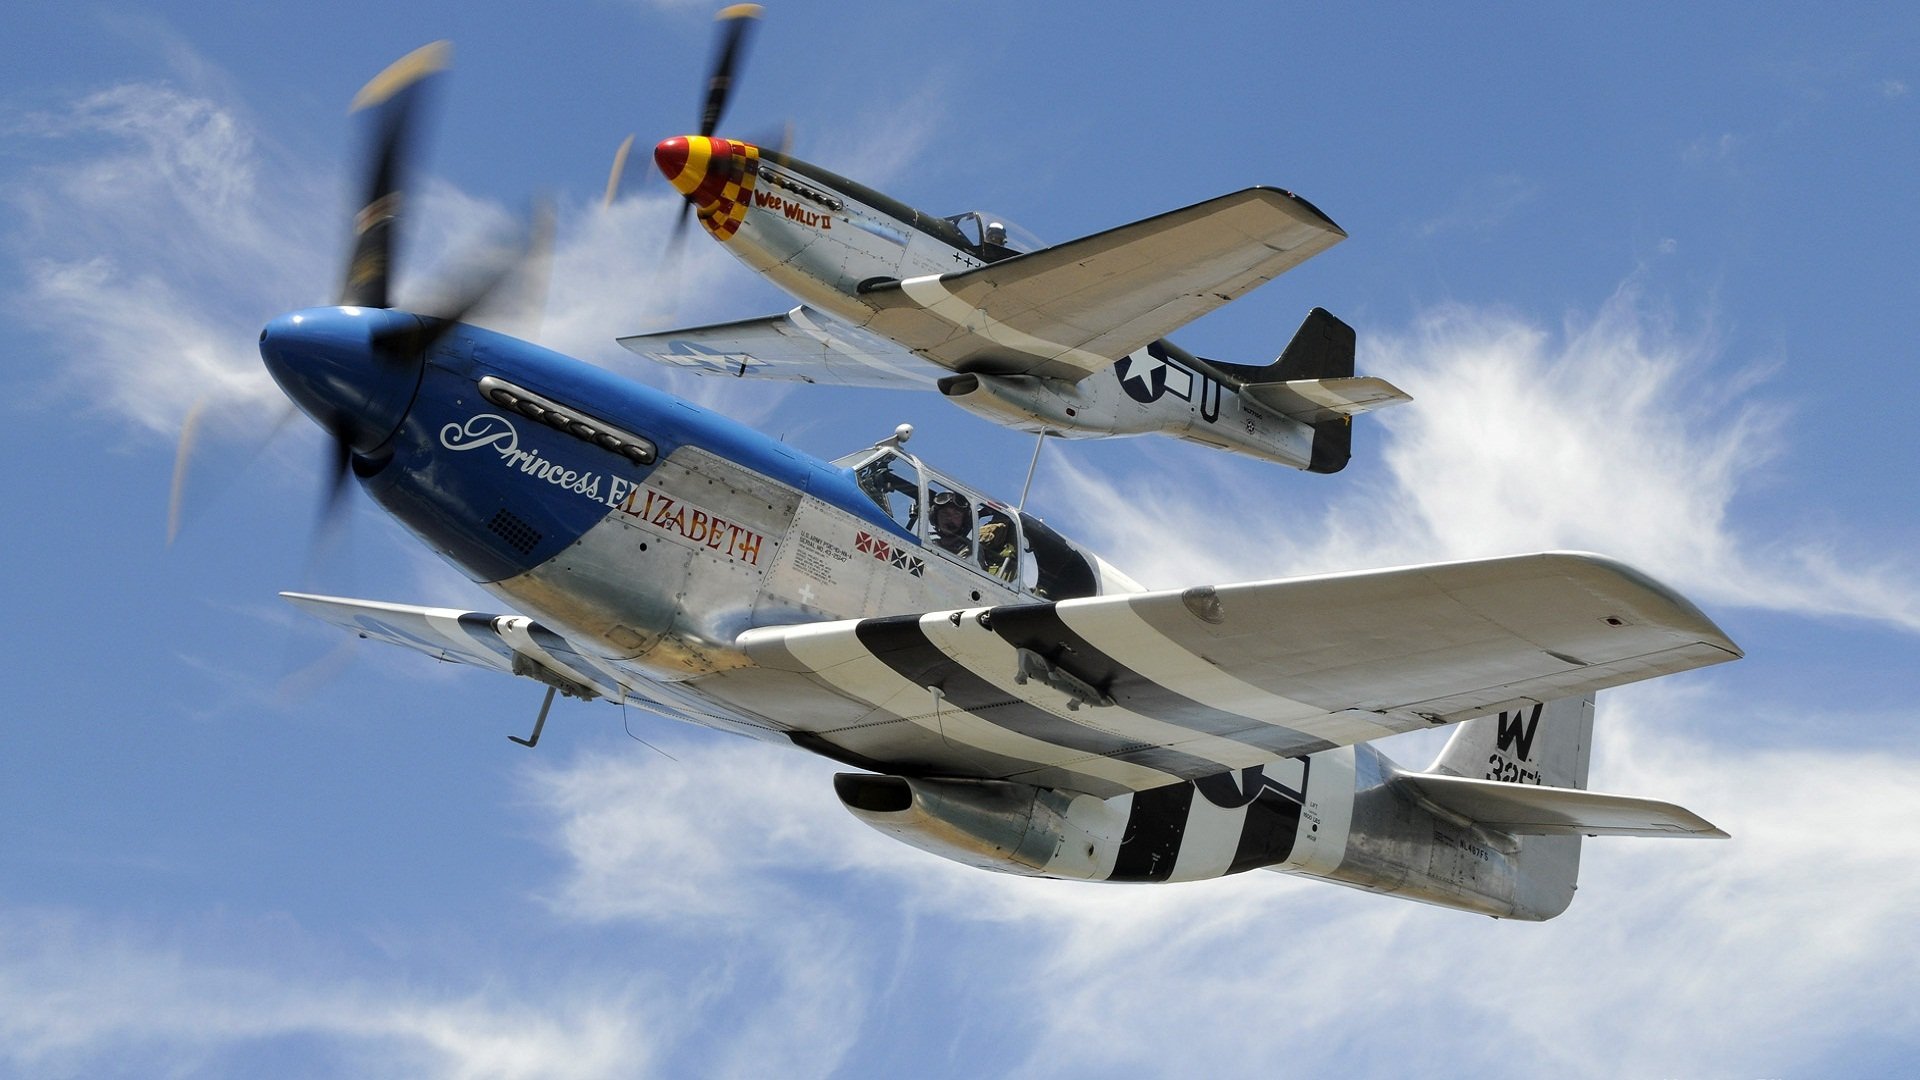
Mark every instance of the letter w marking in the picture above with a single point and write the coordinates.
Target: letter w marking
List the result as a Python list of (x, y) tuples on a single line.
[(1513, 729)]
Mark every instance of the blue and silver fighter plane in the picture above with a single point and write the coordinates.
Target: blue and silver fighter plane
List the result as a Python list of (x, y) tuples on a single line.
[(1000, 695)]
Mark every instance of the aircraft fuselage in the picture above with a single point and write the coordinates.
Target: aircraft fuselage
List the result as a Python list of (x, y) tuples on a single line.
[(825, 239)]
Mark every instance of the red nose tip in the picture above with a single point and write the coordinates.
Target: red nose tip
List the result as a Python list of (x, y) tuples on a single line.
[(671, 156)]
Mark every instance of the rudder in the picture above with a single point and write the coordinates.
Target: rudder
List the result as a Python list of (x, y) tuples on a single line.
[(1323, 348), (1549, 744)]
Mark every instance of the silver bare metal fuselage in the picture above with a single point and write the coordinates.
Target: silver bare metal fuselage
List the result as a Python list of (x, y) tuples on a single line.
[(822, 238)]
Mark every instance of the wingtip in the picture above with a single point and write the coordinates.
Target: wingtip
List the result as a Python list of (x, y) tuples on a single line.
[(1709, 631), (1302, 202)]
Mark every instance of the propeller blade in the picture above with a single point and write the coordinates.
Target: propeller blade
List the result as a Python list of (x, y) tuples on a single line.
[(739, 20), (778, 149), (619, 169), (680, 224), (510, 280), (669, 264), (189, 434), (536, 271), (394, 94), (333, 502), (336, 510)]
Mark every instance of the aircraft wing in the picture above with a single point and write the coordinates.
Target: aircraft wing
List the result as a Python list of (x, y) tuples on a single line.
[(513, 644), (1134, 691), (1073, 309), (802, 345)]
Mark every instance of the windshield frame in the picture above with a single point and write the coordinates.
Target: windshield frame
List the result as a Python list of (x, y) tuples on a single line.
[(1048, 565), (974, 225)]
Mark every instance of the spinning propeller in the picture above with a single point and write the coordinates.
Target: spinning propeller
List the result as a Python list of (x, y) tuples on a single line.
[(354, 367), (736, 22), (736, 27)]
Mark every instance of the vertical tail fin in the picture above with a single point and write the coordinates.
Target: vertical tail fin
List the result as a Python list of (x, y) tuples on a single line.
[(1323, 348), (1549, 744)]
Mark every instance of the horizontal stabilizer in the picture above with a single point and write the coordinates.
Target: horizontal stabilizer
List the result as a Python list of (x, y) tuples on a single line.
[(1314, 400), (1528, 810)]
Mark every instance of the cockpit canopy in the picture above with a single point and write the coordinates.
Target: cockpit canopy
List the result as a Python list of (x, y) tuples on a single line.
[(982, 534), (993, 237)]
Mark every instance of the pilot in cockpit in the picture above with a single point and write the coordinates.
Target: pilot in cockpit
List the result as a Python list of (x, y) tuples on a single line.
[(994, 543), (952, 523), (996, 247)]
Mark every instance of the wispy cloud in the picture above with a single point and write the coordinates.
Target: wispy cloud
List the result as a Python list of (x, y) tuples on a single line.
[(1711, 149), (1482, 207), (82, 999), (153, 255), (753, 925), (798, 1005), (1677, 958), (1617, 433)]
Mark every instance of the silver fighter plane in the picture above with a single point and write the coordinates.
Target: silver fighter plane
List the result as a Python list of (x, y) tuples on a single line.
[(1067, 340)]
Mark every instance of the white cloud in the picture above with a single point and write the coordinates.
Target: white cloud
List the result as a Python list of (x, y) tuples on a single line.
[(151, 261), (1619, 435), (1483, 206), (643, 841), (82, 999), (1711, 149), (162, 230), (1759, 955), (153, 256), (777, 933)]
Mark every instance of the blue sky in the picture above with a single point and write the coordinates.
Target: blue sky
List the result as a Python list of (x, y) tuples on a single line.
[(1648, 274)]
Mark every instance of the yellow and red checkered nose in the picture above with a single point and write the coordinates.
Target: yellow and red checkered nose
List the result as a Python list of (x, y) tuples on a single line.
[(716, 176), (678, 162), (697, 166)]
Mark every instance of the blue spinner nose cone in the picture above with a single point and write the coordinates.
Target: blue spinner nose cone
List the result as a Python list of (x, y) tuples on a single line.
[(354, 370)]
